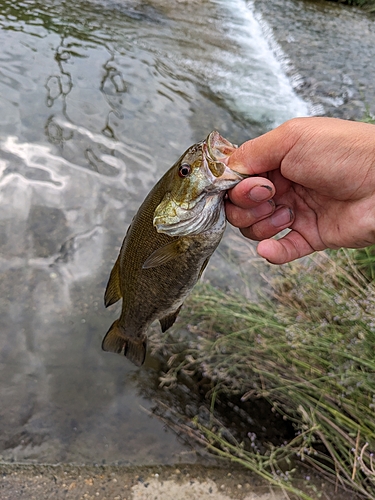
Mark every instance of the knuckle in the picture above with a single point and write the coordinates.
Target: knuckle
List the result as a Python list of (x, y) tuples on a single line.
[(261, 230), (238, 217)]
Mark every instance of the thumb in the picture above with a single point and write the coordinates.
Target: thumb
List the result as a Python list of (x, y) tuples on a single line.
[(266, 152)]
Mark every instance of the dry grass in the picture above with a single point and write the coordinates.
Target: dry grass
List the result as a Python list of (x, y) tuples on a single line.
[(308, 348)]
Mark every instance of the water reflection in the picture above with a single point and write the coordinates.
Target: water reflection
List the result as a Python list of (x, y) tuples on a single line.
[(97, 100)]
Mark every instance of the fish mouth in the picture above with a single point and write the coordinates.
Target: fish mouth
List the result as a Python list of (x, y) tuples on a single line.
[(217, 150)]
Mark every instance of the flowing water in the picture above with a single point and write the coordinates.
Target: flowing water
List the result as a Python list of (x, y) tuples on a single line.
[(97, 100)]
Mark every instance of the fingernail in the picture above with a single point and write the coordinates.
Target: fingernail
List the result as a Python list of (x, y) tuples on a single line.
[(282, 217), (264, 209), (260, 193)]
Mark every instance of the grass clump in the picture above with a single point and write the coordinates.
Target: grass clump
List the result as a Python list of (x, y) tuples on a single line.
[(308, 348), (368, 5)]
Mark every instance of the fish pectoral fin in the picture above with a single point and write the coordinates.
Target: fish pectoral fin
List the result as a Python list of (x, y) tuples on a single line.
[(117, 341), (203, 267), (113, 291), (168, 321), (166, 253)]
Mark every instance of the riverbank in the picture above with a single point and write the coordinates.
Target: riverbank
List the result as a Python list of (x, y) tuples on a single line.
[(123, 483), (367, 5), (185, 482)]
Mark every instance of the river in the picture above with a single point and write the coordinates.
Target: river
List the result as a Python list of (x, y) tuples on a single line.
[(97, 100)]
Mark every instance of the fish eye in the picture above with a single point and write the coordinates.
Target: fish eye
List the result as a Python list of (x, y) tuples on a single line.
[(184, 170)]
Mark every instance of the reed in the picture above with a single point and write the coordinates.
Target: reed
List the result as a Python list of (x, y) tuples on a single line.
[(307, 347)]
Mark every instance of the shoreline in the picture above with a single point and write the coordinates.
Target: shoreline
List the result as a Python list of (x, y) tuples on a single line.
[(127, 483), (178, 482)]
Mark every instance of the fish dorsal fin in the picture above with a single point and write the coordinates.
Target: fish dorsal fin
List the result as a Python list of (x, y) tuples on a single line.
[(113, 290), (117, 341), (168, 321), (166, 253)]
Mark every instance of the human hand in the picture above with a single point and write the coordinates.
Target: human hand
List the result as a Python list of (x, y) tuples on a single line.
[(319, 175)]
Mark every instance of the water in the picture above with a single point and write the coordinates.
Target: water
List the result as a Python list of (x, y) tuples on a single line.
[(330, 48), (97, 100)]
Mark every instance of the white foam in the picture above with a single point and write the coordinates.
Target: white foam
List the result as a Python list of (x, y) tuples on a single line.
[(253, 80)]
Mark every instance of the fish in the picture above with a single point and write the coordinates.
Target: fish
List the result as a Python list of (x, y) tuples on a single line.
[(168, 245)]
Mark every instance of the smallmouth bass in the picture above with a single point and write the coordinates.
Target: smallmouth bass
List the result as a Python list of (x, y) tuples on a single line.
[(168, 244)]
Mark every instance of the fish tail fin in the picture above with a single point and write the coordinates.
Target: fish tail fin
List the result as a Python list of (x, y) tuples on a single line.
[(117, 341)]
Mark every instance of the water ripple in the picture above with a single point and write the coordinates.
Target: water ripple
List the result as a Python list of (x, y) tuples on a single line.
[(98, 99)]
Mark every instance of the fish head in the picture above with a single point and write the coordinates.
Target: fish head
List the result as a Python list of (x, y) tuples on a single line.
[(195, 188)]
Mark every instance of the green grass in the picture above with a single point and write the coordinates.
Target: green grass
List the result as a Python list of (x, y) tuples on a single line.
[(308, 348)]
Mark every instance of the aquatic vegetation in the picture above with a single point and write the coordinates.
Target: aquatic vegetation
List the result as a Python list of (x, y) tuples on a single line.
[(307, 347)]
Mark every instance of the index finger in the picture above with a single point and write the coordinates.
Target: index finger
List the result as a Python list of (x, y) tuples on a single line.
[(251, 192)]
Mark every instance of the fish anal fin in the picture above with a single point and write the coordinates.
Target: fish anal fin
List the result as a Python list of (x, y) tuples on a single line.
[(117, 341), (168, 321), (113, 290), (114, 341), (166, 253)]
